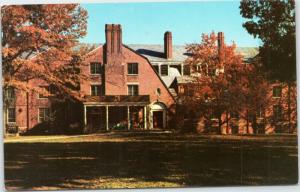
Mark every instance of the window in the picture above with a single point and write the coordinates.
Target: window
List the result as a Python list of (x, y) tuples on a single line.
[(47, 89), (95, 90), (186, 70), (164, 70), (156, 68), (10, 93), (132, 69), (95, 68), (277, 91), (133, 90), (277, 112), (44, 114), (11, 115)]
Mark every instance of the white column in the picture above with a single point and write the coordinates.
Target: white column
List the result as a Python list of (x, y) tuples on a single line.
[(85, 120), (182, 70), (145, 117), (107, 119), (128, 117), (159, 69)]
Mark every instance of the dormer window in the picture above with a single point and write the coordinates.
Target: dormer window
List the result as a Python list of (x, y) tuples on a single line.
[(164, 70), (95, 68), (132, 69)]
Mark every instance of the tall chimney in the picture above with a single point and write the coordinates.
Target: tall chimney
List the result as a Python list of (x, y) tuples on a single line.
[(113, 36), (221, 46), (168, 45)]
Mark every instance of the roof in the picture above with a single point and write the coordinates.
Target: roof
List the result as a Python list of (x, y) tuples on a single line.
[(117, 98), (155, 53)]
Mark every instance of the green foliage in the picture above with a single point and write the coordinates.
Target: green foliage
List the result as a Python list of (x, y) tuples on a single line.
[(273, 22)]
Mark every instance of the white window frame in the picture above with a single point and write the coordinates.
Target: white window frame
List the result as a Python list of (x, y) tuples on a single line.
[(91, 67), (7, 118), (99, 91), (44, 113), (132, 84)]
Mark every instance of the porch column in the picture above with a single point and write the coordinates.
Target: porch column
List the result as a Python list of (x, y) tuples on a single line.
[(84, 115), (181, 69), (145, 117), (107, 119), (128, 117)]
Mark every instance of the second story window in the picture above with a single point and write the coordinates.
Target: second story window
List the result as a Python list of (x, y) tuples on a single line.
[(133, 90), (11, 115), (132, 69), (95, 90), (95, 68), (164, 70), (277, 91)]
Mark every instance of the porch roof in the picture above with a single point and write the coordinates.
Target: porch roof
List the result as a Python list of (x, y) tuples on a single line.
[(117, 100)]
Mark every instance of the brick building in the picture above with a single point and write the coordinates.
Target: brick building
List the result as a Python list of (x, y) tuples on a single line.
[(130, 87)]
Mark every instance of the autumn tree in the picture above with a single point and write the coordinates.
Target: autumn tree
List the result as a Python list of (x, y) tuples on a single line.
[(221, 79), (38, 43), (273, 22)]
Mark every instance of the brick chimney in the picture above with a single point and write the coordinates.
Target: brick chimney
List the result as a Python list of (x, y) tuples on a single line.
[(168, 45), (113, 76), (113, 46), (221, 46)]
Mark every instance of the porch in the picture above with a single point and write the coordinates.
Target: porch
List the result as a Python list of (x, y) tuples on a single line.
[(116, 113)]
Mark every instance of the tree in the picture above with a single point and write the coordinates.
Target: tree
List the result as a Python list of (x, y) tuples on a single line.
[(222, 83), (38, 43), (273, 22)]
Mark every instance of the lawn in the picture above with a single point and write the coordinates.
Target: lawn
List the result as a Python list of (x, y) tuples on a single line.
[(139, 160)]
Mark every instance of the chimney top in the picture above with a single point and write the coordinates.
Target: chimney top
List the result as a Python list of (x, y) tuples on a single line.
[(168, 44)]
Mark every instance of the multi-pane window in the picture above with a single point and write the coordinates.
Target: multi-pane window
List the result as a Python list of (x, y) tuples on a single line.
[(277, 91), (95, 90), (10, 93), (164, 70), (277, 112), (132, 69), (133, 90), (44, 114), (95, 68), (46, 89), (11, 115)]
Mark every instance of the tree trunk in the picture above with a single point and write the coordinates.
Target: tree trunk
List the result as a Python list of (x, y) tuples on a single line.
[(227, 123), (289, 106), (220, 125), (247, 118)]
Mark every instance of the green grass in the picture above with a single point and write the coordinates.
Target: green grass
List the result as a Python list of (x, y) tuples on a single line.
[(139, 160)]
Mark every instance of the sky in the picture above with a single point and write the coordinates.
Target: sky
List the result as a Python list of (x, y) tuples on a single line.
[(145, 23)]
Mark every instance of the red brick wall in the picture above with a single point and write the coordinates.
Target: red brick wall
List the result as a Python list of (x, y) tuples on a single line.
[(116, 78)]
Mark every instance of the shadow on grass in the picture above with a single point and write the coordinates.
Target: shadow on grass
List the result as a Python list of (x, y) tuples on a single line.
[(108, 164)]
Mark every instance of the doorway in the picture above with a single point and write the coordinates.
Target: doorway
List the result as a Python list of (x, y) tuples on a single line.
[(158, 118)]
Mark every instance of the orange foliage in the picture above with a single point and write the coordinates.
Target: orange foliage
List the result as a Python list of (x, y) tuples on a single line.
[(38, 44)]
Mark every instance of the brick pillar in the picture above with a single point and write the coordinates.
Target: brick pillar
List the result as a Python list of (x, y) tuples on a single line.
[(221, 46)]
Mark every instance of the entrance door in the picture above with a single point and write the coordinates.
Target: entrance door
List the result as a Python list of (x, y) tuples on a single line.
[(158, 118)]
